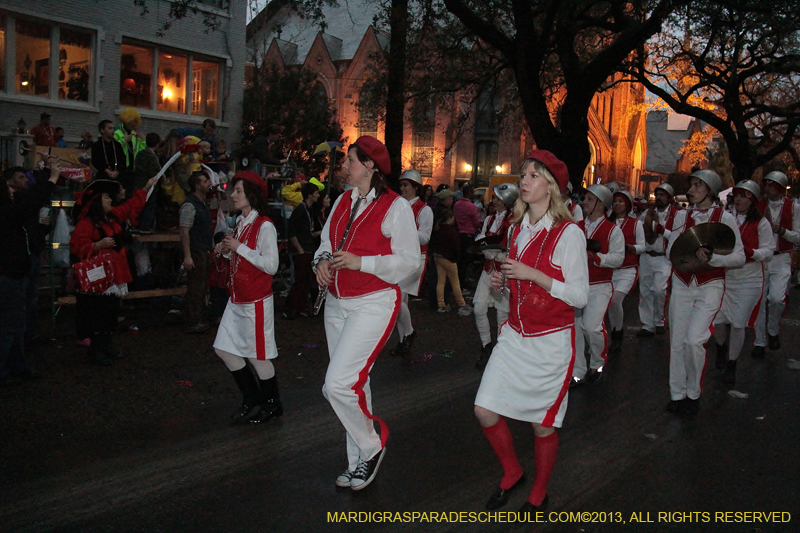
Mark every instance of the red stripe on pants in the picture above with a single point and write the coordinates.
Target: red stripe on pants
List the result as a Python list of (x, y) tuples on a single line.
[(550, 416), (358, 388)]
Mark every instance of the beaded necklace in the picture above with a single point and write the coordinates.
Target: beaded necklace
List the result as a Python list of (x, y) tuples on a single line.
[(105, 155), (242, 234), (518, 254)]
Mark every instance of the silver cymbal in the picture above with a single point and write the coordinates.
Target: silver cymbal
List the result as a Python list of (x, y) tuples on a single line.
[(717, 237)]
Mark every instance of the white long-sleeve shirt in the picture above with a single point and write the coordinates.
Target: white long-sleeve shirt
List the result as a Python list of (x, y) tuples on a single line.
[(638, 232), (734, 259), (425, 222), (616, 245), (265, 256), (775, 212), (398, 225), (569, 254)]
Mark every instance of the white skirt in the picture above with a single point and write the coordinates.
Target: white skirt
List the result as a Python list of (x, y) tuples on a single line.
[(240, 335), (624, 278), (527, 378)]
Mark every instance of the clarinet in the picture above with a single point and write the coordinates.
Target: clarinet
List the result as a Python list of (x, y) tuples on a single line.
[(325, 256)]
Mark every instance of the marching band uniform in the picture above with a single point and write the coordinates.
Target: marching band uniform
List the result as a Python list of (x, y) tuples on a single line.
[(486, 296), (624, 277), (655, 269), (527, 377), (423, 217), (696, 299), (744, 286), (778, 267), (363, 306), (574, 209), (247, 327), (589, 325)]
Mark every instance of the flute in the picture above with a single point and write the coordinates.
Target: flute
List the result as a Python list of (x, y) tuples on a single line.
[(325, 256)]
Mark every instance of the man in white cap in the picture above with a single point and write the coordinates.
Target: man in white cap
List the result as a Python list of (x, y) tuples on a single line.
[(784, 215), (410, 189), (654, 267), (696, 297)]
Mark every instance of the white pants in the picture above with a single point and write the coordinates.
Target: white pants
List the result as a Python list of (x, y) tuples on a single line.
[(485, 297), (404, 326), (357, 330), (589, 328), (623, 280), (654, 273), (779, 270), (691, 314)]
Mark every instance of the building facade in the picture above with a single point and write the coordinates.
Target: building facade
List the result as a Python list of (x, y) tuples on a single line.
[(86, 60), (341, 57)]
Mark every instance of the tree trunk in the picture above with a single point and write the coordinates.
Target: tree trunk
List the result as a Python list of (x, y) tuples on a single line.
[(396, 80)]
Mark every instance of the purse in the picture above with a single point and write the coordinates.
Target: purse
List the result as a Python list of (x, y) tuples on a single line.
[(96, 274)]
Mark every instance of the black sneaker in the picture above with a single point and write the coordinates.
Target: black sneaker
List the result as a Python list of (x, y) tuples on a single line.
[(774, 342), (722, 356), (677, 406), (644, 334), (691, 407), (660, 330), (366, 471), (343, 480), (758, 352)]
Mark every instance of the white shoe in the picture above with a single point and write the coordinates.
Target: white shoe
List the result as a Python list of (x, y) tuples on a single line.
[(344, 478)]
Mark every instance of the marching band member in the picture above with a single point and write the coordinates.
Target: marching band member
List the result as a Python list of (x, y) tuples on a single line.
[(696, 298), (528, 375), (654, 267), (247, 329), (744, 286), (574, 208), (495, 231), (410, 189), (784, 215), (625, 276), (606, 251), (369, 244)]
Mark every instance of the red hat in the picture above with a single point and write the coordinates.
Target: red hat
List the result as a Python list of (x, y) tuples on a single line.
[(554, 165), (252, 177), (376, 151)]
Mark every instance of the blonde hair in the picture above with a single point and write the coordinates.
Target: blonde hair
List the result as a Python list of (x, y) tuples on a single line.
[(558, 211)]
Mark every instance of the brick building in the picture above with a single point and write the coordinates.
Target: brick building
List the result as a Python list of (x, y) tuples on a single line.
[(341, 55), (85, 60)]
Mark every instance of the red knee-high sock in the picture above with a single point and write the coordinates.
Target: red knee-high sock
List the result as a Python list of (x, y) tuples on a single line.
[(545, 451), (499, 437)]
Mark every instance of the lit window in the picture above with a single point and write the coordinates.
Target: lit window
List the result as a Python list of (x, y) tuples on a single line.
[(171, 82), (32, 58), (75, 65), (205, 88), (136, 75), (2, 52)]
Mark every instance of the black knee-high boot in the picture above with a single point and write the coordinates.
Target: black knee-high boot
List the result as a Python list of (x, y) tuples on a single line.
[(270, 401), (96, 353), (250, 394)]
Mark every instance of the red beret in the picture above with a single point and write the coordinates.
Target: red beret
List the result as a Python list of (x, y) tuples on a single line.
[(254, 178), (376, 151), (554, 165)]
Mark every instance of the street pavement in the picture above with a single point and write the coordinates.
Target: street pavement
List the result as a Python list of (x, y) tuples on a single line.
[(147, 445)]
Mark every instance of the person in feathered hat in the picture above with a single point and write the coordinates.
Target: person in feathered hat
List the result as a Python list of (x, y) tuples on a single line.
[(99, 227), (369, 245), (527, 375), (247, 329)]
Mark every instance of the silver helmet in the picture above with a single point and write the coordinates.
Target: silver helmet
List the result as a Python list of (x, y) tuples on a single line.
[(412, 175), (749, 186), (626, 194), (602, 193), (507, 192), (613, 186), (710, 178), (777, 177), (667, 188)]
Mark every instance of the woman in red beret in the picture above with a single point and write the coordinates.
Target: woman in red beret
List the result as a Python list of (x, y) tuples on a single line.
[(527, 377), (246, 330), (99, 226), (369, 244)]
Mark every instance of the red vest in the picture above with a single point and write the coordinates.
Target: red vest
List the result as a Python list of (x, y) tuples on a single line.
[(601, 233), (749, 231), (247, 283), (786, 221), (365, 239), (669, 224), (490, 265), (708, 275), (534, 312), (628, 229), (417, 208)]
